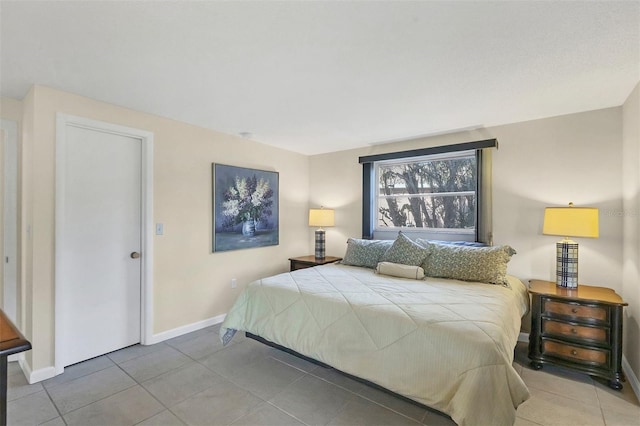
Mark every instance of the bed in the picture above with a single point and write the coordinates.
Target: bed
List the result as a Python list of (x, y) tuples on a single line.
[(444, 343)]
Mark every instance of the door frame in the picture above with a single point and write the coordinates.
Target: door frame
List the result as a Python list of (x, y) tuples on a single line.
[(146, 219)]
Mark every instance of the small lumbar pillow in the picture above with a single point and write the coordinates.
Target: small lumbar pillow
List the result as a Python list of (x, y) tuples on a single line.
[(481, 264), (405, 251), (400, 270), (365, 253)]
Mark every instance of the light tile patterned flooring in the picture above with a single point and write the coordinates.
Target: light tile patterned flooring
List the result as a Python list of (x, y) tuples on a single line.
[(193, 380)]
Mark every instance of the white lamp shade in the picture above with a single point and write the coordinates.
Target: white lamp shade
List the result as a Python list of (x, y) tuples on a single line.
[(571, 222), (321, 217)]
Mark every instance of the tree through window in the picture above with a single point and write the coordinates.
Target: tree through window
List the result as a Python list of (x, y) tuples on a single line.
[(437, 191)]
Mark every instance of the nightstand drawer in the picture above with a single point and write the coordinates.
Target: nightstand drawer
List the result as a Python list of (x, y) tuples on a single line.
[(575, 331), (575, 310), (576, 353)]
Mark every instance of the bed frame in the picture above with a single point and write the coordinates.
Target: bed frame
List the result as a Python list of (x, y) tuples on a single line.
[(358, 379)]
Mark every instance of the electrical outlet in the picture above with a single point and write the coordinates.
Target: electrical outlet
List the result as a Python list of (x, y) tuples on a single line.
[(159, 229), (234, 283)]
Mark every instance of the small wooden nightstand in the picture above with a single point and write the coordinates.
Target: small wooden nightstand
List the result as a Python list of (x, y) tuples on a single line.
[(577, 328), (302, 262)]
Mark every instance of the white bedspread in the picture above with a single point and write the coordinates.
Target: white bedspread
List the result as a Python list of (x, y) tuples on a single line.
[(447, 344)]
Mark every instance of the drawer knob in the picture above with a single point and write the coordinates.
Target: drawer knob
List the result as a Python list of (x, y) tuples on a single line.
[(574, 310), (574, 352), (574, 331)]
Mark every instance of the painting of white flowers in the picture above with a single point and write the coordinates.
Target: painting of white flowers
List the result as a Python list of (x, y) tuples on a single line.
[(245, 208)]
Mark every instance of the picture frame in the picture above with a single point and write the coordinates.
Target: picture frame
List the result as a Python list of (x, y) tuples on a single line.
[(245, 207)]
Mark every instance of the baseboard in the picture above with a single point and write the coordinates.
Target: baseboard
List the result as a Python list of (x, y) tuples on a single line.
[(170, 334), (49, 372), (632, 379), (37, 375)]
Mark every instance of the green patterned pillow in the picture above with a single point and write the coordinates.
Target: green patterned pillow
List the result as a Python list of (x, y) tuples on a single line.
[(481, 264), (405, 251), (365, 253)]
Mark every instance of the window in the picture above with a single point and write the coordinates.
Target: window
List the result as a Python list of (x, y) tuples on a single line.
[(436, 193)]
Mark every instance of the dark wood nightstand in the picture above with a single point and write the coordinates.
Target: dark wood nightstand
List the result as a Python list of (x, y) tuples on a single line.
[(11, 342), (302, 262), (577, 328)]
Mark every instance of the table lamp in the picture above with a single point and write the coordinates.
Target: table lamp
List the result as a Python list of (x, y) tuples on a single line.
[(569, 222), (320, 217)]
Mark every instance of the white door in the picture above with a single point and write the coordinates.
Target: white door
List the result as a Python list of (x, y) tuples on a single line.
[(2, 221), (99, 280), (9, 221)]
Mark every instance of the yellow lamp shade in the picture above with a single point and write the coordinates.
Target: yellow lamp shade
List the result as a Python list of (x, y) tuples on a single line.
[(321, 217), (571, 221)]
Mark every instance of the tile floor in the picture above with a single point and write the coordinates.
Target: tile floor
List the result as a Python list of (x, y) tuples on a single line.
[(193, 380)]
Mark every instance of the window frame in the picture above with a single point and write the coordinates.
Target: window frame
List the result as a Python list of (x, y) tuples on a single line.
[(483, 198)]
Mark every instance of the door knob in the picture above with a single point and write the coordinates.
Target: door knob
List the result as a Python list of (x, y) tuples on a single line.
[(135, 255)]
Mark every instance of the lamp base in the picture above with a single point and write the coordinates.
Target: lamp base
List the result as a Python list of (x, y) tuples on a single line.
[(567, 264), (320, 244)]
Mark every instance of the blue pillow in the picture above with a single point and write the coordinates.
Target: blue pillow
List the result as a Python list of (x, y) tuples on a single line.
[(366, 253), (406, 252), (423, 242)]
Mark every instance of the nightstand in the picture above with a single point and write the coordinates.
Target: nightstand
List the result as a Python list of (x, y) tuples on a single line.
[(577, 328), (302, 262)]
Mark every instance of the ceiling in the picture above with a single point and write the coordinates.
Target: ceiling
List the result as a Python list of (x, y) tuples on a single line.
[(316, 77)]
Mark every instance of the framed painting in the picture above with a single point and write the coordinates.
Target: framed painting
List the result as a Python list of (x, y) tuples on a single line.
[(245, 208)]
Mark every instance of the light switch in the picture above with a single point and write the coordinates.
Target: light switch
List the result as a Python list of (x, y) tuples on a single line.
[(159, 229)]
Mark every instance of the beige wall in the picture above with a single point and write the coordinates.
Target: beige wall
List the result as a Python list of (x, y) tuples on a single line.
[(191, 284), (26, 219), (11, 109), (631, 217), (539, 163)]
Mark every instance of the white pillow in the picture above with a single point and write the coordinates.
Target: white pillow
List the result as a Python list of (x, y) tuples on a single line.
[(400, 270)]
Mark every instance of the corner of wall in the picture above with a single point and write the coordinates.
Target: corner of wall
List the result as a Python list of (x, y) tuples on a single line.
[(37, 375), (631, 235)]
